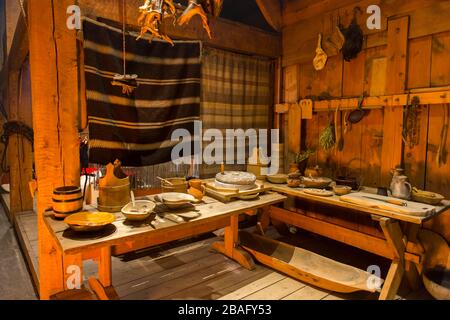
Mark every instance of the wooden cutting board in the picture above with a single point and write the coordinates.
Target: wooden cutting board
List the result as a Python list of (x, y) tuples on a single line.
[(413, 208), (227, 195)]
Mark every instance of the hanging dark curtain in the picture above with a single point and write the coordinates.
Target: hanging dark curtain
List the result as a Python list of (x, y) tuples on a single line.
[(137, 128)]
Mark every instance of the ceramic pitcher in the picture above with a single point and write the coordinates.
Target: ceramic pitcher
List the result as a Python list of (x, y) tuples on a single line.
[(400, 187)]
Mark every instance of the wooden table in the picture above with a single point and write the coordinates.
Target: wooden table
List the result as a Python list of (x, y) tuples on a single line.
[(123, 236), (401, 246)]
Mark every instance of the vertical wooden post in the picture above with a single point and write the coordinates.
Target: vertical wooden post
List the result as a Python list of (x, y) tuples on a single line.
[(397, 53), (19, 153), (294, 121), (19, 148), (53, 59)]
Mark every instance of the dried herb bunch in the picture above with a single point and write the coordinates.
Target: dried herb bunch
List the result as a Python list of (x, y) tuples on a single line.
[(302, 156), (327, 139)]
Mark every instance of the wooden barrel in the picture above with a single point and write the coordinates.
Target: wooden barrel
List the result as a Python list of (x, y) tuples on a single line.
[(67, 200)]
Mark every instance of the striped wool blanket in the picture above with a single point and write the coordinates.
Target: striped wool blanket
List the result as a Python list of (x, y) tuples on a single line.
[(137, 128)]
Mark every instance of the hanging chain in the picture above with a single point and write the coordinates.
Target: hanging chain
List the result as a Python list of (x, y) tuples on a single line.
[(124, 39)]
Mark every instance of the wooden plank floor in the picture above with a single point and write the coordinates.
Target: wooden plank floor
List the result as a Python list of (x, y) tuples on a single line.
[(15, 280), (188, 269)]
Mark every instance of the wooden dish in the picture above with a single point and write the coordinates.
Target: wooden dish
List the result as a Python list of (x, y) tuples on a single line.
[(237, 178), (342, 190), (89, 221), (249, 196), (437, 283), (294, 183), (233, 187), (142, 210), (278, 178), (320, 193), (319, 183), (174, 200), (179, 185), (426, 197)]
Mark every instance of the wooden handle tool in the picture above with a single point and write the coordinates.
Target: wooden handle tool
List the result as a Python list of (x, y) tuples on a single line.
[(391, 201)]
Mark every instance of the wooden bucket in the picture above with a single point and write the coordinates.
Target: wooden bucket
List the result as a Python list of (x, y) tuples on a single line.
[(178, 185), (114, 196), (114, 189), (67, 200)]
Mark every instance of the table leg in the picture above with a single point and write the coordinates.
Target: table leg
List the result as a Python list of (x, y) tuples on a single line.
[(393, 281), (73, 271), (412, 270), (230, 245), (104, 267), (264, 218), (394, 238)]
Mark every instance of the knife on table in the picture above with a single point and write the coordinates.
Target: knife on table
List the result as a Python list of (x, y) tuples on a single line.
[(391, 201)]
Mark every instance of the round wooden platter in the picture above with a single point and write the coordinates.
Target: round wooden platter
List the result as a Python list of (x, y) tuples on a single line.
[(89, 221), (319, 192)]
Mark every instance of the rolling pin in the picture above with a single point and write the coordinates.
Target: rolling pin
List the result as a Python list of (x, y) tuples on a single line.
[(391, 201)]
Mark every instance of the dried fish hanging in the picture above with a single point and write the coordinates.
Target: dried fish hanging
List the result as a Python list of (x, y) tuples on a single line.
[(154, 12), (200, 8), (128, 82)]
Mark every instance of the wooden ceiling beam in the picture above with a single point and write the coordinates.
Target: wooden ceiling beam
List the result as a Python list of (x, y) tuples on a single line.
[(228, 35), (271, 10), (295, 11)]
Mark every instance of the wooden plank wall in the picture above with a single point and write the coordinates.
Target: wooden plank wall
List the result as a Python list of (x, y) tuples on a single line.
[(411, 51)]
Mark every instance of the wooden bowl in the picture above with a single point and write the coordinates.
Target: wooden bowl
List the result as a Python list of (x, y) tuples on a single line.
[(427, 197), (319, 183), (294, 183), (348, 181), (142, 210), (89, 221), (342, 190), (177, 185), (175, 200), (277, 178), (437, 283)]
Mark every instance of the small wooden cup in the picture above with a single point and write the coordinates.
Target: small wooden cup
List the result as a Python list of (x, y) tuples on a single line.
[(197, 189)]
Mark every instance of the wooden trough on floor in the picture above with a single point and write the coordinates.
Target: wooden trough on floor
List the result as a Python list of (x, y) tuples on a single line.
[(307, 266)]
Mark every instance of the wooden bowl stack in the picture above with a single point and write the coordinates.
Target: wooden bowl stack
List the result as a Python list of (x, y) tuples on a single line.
[(67, 200)]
